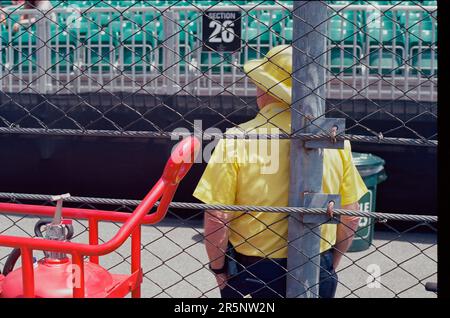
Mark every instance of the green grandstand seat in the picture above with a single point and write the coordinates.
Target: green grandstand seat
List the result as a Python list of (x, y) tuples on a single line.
[(278, 22), (411, 18), (401, 2), (158, 3), (385, 32), (285, 3), (387, 49), (3, 44), (344, 31), (343, 3), (375, 17), (63, 49), (187, 26), (4, 34), (119, 27), (386, 39), (423, 37), (101, 3), (83, 3), (156, 28), (83, 27), (214, 62), (343, 60), (289, 23), (425, 63), (376, 2), (138, 50), (254, 53), (385, 62), (285, 36), (273, 20), (206, 3), (142, 18), (256, 32), (63, 58), (344, 34), (148, 34), (121, 3), (100, 52), (187, 34), (352, 17), (251, 36), (106, 19), (24, 51), (184, 56)]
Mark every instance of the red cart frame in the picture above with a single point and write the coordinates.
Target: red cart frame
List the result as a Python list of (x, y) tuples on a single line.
[(179, 163)]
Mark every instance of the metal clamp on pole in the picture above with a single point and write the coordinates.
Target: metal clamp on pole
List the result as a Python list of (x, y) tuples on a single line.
[(330, 128), (321, 200)]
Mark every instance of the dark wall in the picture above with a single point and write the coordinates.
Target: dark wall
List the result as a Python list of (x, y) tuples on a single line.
[(127, 167)]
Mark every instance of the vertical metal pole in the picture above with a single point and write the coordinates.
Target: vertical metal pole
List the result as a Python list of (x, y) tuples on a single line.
[(93, 238), (78, 276), (43, 51), (308, 98), (170, 46), (27, 273), (136, 260)]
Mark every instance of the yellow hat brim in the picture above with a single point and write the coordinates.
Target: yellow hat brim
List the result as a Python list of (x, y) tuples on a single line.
[(255, 69)]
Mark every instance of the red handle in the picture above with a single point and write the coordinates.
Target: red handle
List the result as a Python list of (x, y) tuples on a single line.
[(181, 160)]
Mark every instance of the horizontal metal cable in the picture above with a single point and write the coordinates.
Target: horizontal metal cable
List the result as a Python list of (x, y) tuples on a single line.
[(208, 136), (252, 208)]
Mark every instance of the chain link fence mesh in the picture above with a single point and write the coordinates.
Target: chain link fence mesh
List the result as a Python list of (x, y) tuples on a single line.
[(376, 52), (400, 261), (144, 69)]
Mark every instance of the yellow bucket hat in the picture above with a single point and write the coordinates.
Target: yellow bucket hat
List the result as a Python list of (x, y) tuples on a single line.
[(273, 72)]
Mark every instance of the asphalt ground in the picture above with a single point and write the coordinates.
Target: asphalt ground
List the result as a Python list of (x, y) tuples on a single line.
[(174, 258)]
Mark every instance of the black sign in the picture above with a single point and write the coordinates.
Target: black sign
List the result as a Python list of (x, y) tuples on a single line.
[(221, 31)]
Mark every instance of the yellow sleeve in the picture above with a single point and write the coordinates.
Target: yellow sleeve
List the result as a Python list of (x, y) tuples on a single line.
[(218, 182), (352, 185)]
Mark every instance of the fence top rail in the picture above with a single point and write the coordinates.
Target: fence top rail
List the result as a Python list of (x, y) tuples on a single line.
[(71, 9)]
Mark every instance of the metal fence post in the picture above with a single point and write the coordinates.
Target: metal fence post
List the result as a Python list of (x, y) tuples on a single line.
[(42, 51), (170, 46), (308, 98)]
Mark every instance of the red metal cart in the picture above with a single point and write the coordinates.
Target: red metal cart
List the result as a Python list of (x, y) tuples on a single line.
[(58, 275)]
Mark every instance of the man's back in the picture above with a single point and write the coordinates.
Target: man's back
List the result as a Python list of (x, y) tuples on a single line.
[(256, 172)]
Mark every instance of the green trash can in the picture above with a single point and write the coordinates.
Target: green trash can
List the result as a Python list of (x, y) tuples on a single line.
[(371, 169)]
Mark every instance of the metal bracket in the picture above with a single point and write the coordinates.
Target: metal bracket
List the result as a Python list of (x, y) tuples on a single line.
[(320, 200), (323, 125)]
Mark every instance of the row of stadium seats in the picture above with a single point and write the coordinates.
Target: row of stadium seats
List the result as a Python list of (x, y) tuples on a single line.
[(125, 3), (387, 40), (140, 51), (99, 44)]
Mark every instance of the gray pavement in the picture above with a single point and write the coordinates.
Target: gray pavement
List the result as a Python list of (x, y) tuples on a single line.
[(174, 258)]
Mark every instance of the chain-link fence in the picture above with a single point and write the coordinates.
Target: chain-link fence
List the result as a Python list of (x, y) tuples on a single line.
[(400, 261), (155, 69)]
